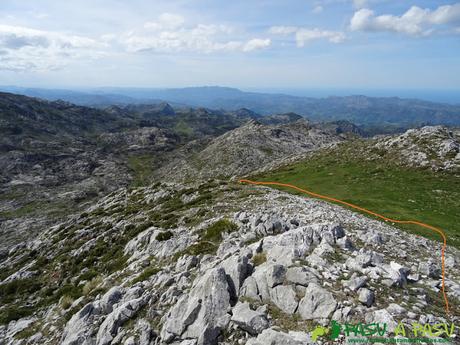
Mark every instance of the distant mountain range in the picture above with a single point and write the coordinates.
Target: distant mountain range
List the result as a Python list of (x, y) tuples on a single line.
[(392, 112)]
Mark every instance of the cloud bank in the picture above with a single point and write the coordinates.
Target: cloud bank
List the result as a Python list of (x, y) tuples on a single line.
[(24, 48), (415, 22), (171, 34), (303, 36), (27, 49)]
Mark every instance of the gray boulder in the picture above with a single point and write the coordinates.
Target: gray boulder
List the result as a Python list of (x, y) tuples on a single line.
[(275, 275), (381, 316), (146, 332), (249, 320), (80, 327), (109, 328), (345, 243), (300, 276), (284, 297), (272, 337), (355, 283), (397, 273), (318, 303), (110, 298), (237, 269), (202, 313), (364, 259), (249, 289), (186, 262), (366, 297), (430, 269)]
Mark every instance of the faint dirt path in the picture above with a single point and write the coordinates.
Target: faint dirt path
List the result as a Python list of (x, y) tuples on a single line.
[(375, 214)]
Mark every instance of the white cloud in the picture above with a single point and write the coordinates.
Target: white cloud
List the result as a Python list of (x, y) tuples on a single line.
[(166, 21), (283, 30), (360, 4), (416, 21), (256, 44), (29, 49), (171, 34), (304, 35), (318, 9)]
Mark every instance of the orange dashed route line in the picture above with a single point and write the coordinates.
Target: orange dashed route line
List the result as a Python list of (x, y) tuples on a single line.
[(426, 226)]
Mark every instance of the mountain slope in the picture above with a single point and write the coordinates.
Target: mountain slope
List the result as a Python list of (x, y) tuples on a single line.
[(251, 147), (56, 156), (215, 263), (410, 176), (394, 112)]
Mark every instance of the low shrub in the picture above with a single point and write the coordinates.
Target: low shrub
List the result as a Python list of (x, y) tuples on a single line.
[(164, 236), (259, 259), (14, 313), (214, 232), (148, 272), (65, 302), (91, 285)]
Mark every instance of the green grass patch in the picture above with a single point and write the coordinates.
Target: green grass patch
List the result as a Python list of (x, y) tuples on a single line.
[(214, 231), (142, 167), (210, 238), (22, 211), (148, 272), (11, 313), (393, 191), (10, 291), (164, 236), (183, 129)]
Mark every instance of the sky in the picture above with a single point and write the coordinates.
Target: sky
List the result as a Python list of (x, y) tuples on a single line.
[(374, 44)]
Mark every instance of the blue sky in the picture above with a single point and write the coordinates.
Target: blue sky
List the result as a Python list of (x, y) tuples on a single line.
[(412, 44)]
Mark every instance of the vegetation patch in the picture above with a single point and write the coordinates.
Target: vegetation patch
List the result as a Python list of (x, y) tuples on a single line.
[(148, 272), (11, 313), (164, 236), (259, 259), (142, 167), (214, 232), (92, 285), (210, 238), (381, 186), (14, 289), (66, 301)]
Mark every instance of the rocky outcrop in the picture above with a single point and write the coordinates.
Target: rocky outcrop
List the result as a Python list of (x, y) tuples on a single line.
[(202, 313), (433, 147), (223, 280), (251, 321), (249, 148), (273, 337)]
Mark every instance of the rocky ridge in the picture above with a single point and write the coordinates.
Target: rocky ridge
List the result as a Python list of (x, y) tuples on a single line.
[(55, 157), (436, 148), (217, 263), (252, 147)]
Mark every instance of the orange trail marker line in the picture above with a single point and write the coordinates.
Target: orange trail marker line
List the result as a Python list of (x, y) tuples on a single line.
[(328, 198)]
